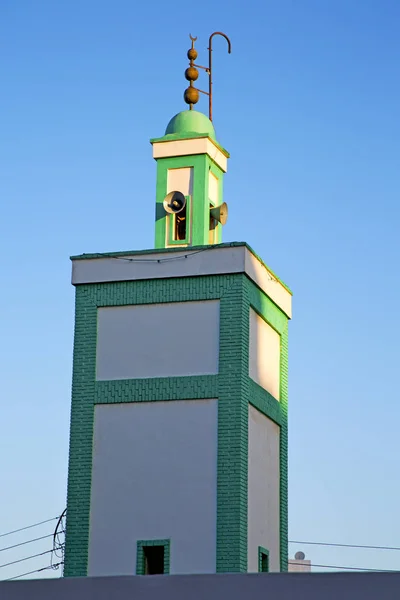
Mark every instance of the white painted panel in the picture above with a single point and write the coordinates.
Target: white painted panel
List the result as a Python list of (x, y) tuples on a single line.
[(264, 354), (154, 477), (268, 282), (217, 156), (213, 185), (156, 265), (158, 340), (263, 490), (180, 180)]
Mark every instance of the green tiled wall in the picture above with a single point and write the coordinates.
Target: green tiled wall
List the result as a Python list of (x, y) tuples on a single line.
[(232, 386)]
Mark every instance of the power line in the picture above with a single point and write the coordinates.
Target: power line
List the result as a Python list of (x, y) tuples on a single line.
[(43, 537), (37, 571), (14, 562), (348, 568), (188, 254), (28, 527), (314, 565), (346, 545)]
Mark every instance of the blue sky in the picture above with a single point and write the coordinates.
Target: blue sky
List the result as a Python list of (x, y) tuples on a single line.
[(307, 105)]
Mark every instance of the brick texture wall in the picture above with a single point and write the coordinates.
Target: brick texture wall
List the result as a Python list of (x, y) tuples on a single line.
[(232, 386)]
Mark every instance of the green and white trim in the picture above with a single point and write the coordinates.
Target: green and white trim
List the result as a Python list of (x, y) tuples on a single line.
[(189, 160)]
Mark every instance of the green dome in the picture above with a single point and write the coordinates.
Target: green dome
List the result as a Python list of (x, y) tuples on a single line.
[(190, 121)]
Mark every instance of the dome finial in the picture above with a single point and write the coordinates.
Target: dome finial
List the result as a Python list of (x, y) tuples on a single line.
[(192, 94)]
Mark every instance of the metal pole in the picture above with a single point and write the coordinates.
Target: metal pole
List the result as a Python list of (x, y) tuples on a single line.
[(210, 67)]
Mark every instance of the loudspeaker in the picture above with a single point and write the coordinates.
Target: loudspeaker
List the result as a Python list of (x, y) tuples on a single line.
[(174, 202), (220, 213)]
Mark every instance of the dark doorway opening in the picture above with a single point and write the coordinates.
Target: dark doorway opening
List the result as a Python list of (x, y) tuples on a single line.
[(153, 560)]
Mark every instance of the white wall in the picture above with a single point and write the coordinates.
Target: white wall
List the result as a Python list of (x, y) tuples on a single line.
[(257, 271), (263, 490), (180, 180), (264, 354), (158, 340), (154, 476), (213, 185), (189, 147), (157, 265)]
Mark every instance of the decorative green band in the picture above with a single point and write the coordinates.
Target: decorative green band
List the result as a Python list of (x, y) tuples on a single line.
[(158, 389), (265, 403), (232, 481)]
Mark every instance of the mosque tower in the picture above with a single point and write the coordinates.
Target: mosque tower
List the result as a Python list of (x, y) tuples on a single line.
[(178, 440)]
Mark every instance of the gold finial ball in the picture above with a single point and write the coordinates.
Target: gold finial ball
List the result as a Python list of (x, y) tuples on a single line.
[(191, 74), (192, 54), (191, 95)]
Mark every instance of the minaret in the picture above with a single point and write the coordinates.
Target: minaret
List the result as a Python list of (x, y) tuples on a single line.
[(178, 441)]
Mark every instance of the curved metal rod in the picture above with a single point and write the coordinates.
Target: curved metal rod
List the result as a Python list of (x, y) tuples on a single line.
[(210, 67), (58, 524), (192, 38)]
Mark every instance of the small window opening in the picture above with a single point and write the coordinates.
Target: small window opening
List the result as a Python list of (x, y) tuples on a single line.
[(263, 560), (264, 563), (180, 225), (153, 560), (212, 227)]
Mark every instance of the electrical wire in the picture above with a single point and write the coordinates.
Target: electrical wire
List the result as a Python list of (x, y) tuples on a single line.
[(168, 259), (59, 546), (14, 562), (59, 517), (346, 545), (43, 537), (291, 562), (28, 527), (152, 260), (37, 571), (55, 566), (58, 542)]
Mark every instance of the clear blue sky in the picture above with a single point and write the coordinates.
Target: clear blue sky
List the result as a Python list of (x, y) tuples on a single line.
[(308, 105)]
